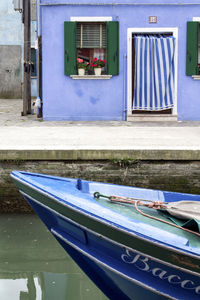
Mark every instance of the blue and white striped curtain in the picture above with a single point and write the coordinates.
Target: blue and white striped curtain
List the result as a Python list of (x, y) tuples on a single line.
[(154, 73)]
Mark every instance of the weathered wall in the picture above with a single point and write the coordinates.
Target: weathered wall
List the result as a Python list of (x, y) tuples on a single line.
[(180, 176), (10, 72), (11, 27), (33, 10), (12, 37)]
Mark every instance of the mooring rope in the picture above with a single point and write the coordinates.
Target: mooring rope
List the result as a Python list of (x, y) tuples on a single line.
[(120, 199), (153, 204)]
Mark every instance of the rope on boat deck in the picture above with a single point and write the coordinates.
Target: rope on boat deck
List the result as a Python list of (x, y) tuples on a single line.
[(136, 202), (120, 199)]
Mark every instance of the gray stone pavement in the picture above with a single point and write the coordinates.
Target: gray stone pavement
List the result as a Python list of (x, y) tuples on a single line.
[(38, 139)]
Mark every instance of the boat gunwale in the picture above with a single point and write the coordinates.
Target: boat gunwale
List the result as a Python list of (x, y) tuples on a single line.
[(110, 240), (101, 220), (104, 221)]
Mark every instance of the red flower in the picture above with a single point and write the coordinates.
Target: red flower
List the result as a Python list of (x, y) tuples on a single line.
[(93, 65), (82, 64), (97, 62), (80, 60)]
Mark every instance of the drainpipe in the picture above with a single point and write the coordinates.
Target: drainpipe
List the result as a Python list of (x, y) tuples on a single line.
[(27, 59), (38, 34), (38, 17), (124, 87), (38, 102)]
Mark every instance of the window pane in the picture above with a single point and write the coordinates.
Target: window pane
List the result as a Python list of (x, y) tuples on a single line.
[(84, 53), (91, 35), (88, 54)]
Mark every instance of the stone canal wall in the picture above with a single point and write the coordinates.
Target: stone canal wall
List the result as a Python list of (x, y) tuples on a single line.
[(173, 175)]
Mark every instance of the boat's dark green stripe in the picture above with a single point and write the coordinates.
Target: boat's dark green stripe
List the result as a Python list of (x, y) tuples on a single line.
[(131, 241)]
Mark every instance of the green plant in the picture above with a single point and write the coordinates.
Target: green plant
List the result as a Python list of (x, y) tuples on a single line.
[(81, 64), (124, 162)]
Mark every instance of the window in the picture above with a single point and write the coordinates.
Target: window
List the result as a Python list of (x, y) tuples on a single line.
[(193, 49), (33, 62), (91, 39)]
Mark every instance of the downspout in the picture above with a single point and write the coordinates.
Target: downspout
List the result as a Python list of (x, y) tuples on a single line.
[(38, 102), (38, 34), (124, 88), (38, 17)]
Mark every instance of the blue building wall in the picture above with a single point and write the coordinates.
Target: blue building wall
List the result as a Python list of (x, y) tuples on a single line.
[(68, 99)]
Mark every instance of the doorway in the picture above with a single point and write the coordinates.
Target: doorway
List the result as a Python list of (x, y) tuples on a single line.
[(144, 101)]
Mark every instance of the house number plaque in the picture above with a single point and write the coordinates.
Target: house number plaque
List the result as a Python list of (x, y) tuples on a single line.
[(153, 19)]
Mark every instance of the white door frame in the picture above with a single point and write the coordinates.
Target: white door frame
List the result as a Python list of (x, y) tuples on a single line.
[(130, 32)]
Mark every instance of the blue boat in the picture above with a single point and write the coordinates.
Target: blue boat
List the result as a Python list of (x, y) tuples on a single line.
[(128, 240)]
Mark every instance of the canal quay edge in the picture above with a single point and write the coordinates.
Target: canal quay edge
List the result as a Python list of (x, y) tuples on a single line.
[(174, 170), (157, 155)]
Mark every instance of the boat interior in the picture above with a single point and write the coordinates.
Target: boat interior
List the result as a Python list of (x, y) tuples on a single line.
[(146, 221)]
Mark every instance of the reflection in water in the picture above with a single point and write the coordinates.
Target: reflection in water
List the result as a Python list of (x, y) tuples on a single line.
[(33, 266)]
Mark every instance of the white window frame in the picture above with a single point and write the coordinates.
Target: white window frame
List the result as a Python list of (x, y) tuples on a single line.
[(91, 19), (130, 32), (196, 19)]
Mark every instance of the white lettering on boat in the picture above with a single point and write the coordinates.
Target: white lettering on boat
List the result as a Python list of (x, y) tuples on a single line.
[(143, 263)]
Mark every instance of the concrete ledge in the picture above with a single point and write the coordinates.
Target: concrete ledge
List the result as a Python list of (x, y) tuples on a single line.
[(85, 77), (152, 118), (196, 77), (60, 155)]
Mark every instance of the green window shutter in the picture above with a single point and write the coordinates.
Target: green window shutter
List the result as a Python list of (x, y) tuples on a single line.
[(112, 48), (70, 48), (192, 48)]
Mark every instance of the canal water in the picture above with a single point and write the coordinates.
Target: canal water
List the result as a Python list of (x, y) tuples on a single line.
[(33, 266)]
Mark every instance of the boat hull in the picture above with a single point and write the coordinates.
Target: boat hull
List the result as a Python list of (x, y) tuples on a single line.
[(122, 264), (119, 271)]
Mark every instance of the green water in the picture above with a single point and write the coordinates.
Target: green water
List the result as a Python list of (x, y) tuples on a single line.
[(33, 266)]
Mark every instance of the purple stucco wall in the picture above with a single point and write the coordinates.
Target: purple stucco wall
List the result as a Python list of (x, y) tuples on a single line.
[(68, 99)]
